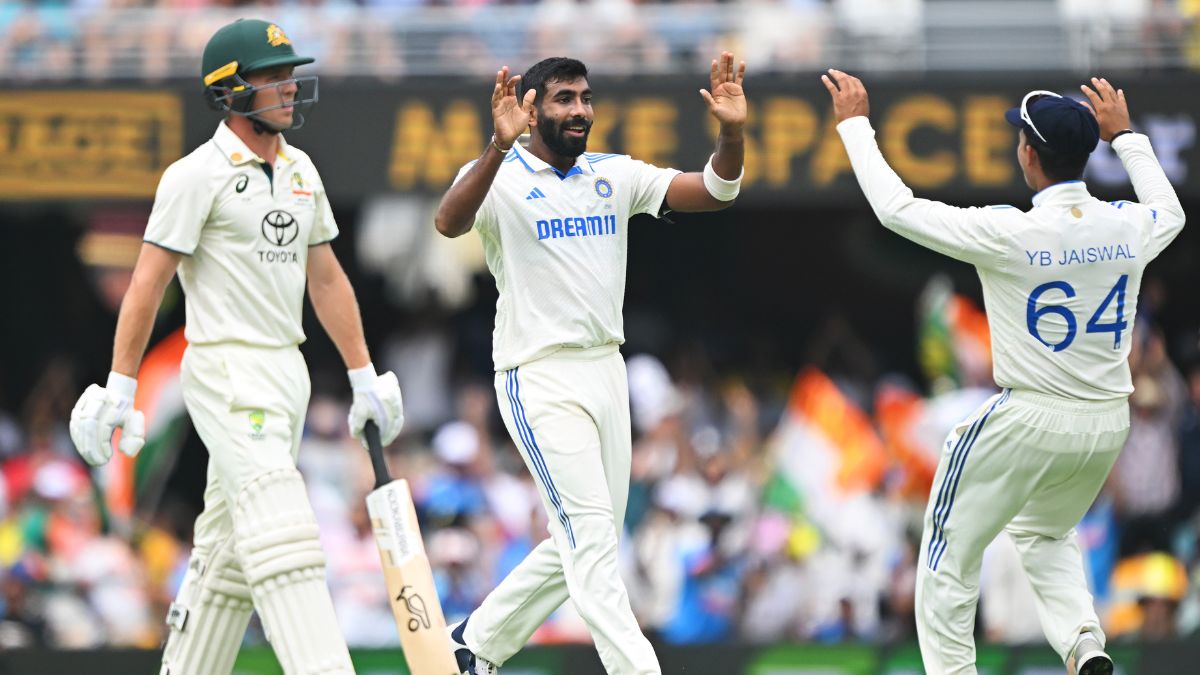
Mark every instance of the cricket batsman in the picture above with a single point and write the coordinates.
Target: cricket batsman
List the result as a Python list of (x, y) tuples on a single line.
[(1060, 284), (554, 220), (245, 222)]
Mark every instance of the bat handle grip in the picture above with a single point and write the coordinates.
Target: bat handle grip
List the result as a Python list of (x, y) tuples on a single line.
[(375, 450)]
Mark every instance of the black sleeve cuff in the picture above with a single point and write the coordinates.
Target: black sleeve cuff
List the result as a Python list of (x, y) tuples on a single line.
[(166, 248)]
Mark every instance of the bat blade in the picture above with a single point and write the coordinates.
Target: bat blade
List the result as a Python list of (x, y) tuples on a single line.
[(409, 579)]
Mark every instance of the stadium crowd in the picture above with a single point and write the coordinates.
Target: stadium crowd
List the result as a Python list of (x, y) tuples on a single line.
[(723, 543), (101, 40)]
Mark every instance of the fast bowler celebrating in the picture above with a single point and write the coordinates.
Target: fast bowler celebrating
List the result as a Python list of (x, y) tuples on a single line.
[(1060, 283), (554, 223), (245, 221)]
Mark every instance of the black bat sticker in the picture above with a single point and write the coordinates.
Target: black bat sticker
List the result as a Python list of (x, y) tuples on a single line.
[(418, 615)]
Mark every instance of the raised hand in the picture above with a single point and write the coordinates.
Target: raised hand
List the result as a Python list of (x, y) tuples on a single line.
[(1112, 113), (511, 117), (726, 99), (849, 95)]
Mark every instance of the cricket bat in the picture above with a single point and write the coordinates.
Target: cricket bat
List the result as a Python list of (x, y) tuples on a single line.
[(409, 579)]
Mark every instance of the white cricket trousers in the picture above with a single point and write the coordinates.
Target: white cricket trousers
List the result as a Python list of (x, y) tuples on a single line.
[(256, 540), (1031, 465), (568, 414)]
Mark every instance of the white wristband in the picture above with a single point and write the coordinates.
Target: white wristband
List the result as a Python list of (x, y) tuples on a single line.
[(121, 385), (362, 378), (721, 189)]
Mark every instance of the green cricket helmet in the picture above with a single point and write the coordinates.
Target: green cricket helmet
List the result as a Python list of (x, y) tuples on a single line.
[(241, 48)]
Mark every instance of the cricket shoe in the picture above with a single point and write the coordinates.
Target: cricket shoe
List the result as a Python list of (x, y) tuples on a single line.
[(468, 663), (1088, 658)]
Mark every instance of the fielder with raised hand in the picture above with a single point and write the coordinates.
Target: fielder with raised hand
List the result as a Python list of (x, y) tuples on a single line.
[(245, 221), (1060, 283), (554, 223)]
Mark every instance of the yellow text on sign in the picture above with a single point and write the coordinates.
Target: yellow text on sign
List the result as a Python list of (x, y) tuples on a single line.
[(932, 141), (87, 144)]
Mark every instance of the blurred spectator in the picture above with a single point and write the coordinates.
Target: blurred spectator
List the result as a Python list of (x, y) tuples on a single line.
[(1189, 448), (109, 575), (35, 40), (1147, 590), (783, 34), (778, 586), (1145, 479), (708, 605), (655, 405), (21, 624), (616, 39), (454, 492), (355, 580), (887, 30), (456, 554), (656, 580)]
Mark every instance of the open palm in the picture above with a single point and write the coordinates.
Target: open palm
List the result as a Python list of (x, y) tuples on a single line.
[(510, 116), (726, 100)]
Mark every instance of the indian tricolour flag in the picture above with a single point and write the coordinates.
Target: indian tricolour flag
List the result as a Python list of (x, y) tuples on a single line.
[(133, 483), (827, 455), (954, 343)]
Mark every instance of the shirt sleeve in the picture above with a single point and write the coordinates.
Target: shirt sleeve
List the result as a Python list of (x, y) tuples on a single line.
[(324, 227), (485, 217), (1162, 213), (181, 208), (973, 235), (649, 185)]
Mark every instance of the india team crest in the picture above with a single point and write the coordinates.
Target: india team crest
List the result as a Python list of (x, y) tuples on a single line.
[(604, 188)]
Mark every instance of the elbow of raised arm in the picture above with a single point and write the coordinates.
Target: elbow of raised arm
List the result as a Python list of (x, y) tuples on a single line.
[(895, 211), (709, 204), (1168, 213), (888, 217), (719, 205), (440, 224), (443, 226), (447, 227), (1178, 212)]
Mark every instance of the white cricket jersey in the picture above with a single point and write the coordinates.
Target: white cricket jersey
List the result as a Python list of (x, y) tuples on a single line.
[(245, 239), (557, 244), (1060, 282)]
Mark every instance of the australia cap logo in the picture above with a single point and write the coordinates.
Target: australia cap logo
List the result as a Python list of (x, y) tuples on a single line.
[(276, 36)]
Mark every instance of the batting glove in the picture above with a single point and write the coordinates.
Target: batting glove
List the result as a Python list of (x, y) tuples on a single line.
[(102, 410), (376, 397)]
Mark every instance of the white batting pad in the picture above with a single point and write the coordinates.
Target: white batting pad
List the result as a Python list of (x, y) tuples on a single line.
[(209, 616), (285, 568)]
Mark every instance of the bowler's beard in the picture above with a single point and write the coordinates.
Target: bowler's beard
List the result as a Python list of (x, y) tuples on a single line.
[(555, 137)]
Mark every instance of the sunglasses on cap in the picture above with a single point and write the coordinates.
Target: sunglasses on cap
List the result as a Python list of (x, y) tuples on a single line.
[(1030, 98)]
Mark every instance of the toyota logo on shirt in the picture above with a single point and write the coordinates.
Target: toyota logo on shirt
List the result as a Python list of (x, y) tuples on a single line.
[(279, 228)]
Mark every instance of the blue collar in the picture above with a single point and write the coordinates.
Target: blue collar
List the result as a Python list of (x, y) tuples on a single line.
[(534, 164), (1068, 191), (570, 172)]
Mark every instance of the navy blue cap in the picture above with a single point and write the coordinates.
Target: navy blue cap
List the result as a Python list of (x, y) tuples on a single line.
[(1065, 125)]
